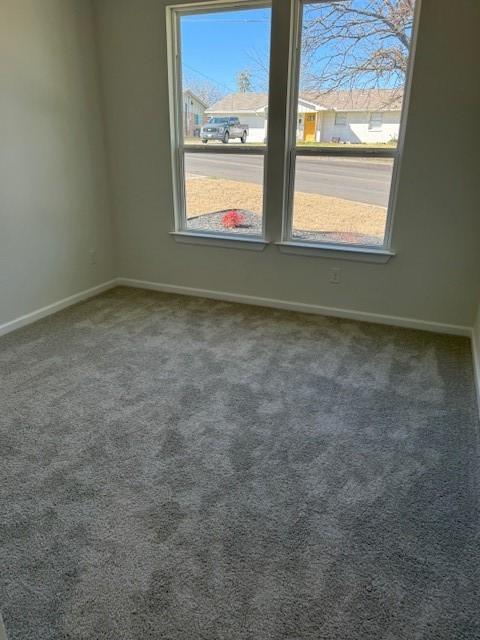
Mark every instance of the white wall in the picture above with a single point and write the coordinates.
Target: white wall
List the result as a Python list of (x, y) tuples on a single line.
[(434, 275), (357, 127), (54, 204)]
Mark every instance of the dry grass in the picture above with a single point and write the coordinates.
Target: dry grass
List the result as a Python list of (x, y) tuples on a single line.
[(301, 143), (312, 212)]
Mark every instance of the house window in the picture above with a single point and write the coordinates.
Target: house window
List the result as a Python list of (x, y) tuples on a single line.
[(337, 179), (219, 177), (341, 190), (376, 122)]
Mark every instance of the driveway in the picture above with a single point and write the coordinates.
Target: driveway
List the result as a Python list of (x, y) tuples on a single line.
[(366, 181)]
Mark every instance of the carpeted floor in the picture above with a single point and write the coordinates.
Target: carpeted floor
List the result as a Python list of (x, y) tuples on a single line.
[(185, 469)]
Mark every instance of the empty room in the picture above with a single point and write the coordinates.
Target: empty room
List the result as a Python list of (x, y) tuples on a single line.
[(239, 320)]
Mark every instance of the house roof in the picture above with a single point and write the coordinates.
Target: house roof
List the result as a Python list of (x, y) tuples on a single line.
[(248, 102), (355, 100)]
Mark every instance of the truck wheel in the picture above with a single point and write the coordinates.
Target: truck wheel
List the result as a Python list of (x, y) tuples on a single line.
[(226, 138), (243, 139)]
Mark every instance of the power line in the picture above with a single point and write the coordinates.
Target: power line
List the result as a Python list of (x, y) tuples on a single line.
[(223, 20), (220, 84)]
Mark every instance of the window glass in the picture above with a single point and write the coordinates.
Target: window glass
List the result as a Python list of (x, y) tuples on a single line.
[(341, 200), (224, 193), (225, 57), (352, 70)]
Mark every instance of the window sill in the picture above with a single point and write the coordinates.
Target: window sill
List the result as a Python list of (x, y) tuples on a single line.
[(217, 240), (339, 252)]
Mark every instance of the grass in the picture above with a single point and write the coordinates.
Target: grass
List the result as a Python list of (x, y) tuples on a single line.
[(339, 145), (312, 212), (322, 145), (235, 142)]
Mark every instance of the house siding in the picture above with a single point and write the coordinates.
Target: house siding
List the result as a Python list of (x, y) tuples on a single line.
[(356, 129), (193, 115)]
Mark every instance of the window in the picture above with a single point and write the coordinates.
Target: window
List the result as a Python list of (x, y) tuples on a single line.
[(219, 165), (376, 122), (341, 185), (334, 166)]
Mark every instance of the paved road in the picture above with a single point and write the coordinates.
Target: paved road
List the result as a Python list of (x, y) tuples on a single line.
[(350, 178)]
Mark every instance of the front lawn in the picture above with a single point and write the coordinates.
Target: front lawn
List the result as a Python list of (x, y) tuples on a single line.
[(313, 212), (341, 145), (322, 145)]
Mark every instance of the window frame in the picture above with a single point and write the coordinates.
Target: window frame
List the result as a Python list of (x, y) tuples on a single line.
[(375, 124), (276, 221), (344, 118), (290, 244), (178, 148)]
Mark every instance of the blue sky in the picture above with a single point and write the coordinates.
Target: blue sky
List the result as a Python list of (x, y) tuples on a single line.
[(217, 46), (230, 36)]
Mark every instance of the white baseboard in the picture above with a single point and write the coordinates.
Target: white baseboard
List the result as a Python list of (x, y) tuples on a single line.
[(362, 316), (410, 323), (54, 307), (3, 633), (476, 363)]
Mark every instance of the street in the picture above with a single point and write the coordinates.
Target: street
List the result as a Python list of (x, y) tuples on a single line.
[(360, 180)]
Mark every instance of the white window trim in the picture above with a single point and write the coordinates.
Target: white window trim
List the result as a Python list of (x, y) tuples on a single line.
[(181, 233), (357, 253), (345, 118), (224, 240), (292, 151)]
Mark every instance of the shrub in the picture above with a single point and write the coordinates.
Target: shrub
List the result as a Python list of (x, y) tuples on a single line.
[(233, 219)]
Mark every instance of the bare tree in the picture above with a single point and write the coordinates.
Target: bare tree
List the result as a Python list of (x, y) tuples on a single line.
[(259, 64), (207, 91), (244, 81), (355, 44)]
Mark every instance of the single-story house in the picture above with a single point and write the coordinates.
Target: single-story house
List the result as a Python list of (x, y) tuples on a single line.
[(357, 116), (193, 113)]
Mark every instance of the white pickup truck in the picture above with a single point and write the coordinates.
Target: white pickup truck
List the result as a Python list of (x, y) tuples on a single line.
[(223, 128)]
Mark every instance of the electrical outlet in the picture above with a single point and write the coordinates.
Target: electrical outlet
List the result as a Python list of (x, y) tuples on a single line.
[(335, 275), (93, 256)]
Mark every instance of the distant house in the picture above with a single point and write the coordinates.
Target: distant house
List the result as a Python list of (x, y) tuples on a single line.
[(357, 116), (193, 113)]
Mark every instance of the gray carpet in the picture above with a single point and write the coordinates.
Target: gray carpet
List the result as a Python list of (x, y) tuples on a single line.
[(186, 469)]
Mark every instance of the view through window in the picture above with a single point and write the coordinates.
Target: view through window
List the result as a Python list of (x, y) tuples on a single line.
[(352, 71), (224, 69), (347, 88)]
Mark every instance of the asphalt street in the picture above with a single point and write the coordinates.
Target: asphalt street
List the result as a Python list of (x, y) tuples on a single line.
[(360, 180)]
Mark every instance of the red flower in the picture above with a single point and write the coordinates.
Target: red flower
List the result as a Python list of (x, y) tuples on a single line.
[(233, 219)]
